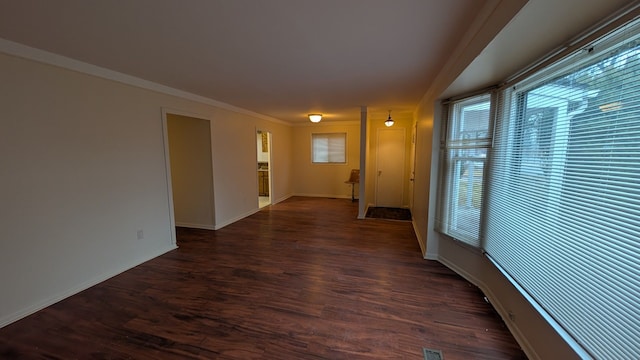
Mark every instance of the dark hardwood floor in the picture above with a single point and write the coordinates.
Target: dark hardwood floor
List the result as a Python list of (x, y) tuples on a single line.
[(303, 279)]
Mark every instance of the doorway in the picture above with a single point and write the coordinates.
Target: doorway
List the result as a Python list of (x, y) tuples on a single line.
[(264, 168), (191, 171), (412, 164), (390, 166)]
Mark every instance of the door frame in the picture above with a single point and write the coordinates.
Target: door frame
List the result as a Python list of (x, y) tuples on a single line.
[(404, 165), (412, 164), (167, 161), (269, 172)]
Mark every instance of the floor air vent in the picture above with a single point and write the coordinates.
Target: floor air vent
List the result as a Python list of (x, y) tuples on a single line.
[(432, 354)]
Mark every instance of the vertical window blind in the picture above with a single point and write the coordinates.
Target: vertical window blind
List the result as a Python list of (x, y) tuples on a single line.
[(563, 194)]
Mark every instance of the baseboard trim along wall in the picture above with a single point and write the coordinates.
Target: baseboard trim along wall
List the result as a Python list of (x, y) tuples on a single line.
[(497, 305), (6, 320), (195, 226)]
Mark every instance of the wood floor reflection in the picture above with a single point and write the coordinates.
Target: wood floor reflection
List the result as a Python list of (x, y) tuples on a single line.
[(302, 279)]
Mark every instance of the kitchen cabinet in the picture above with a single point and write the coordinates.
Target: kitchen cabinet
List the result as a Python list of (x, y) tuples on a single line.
[(263, 182)]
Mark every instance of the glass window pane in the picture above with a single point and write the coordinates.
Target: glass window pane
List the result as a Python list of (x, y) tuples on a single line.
[(466, 147)]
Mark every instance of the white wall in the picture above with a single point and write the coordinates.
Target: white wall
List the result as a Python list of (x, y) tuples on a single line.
[(235, 175), (326, 180), (83, 170)]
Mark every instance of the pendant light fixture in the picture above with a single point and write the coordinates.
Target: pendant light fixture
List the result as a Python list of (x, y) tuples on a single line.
[(389, 121)]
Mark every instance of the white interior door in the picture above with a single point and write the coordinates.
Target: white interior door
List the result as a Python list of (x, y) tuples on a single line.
[(412, 164), (390, 159)]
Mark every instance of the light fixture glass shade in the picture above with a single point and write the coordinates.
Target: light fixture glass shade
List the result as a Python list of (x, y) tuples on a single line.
[(315, 117), (389, 121)]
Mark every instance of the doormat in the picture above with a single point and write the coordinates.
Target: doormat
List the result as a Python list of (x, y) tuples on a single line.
[(432, 354), (389, 213)]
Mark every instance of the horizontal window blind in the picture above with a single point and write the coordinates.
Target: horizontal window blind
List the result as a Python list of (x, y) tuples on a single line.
[(329, 147), (563, 203)]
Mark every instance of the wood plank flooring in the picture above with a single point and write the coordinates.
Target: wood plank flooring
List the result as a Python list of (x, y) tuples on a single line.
[(303, 279)]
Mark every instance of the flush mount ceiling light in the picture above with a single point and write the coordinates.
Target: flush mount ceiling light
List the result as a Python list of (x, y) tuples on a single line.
[(389, 121), (315, 117)]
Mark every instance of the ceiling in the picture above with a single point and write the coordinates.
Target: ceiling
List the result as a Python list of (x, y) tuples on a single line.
[(539, 28), (287, 58), (280, 58)]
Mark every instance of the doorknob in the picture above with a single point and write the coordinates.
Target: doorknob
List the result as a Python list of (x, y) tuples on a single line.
[(379, 172)]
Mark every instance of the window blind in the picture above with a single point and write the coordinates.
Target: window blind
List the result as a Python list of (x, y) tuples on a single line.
[(464, 151), (329, 147), (563, 202)]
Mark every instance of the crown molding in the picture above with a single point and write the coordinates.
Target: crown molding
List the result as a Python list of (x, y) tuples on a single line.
[(30, 53), (327, 123)]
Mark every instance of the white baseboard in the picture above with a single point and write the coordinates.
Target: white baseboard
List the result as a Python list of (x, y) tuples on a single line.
[(281, 199), (222, 224), (421, 241), (6, 320), (497, 305), (333, 196), (232, 220), (195, 226)]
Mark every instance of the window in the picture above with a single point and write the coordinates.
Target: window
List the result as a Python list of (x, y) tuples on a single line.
[(563, 201), (464, 150), (329, 148), (553, 194)]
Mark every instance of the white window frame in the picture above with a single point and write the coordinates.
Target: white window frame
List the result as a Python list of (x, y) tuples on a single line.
[(335, 153), (450, 213), (566, 258)]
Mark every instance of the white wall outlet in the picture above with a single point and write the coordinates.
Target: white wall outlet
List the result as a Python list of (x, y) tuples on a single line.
[(140, 234)]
